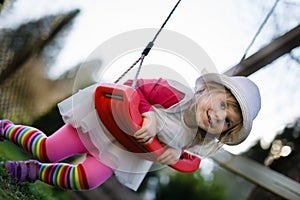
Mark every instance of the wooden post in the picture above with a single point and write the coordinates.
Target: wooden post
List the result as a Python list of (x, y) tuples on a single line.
[(259, 174), (267, 54)]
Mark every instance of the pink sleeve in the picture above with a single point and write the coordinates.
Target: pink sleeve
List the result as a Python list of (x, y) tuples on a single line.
[(156, 92)]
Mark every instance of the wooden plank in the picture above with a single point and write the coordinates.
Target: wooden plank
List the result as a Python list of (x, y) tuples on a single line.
[(259, 175), (267, 54)]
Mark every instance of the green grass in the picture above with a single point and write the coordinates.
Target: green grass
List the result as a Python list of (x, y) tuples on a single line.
[(10, 190)]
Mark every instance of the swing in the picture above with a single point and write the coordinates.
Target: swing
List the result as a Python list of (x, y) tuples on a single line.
[(117, 107)]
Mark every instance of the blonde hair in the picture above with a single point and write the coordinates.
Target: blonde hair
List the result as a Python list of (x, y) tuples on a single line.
[(205, 143)]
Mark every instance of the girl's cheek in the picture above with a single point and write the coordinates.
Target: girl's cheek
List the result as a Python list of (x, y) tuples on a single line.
[(205, 104)]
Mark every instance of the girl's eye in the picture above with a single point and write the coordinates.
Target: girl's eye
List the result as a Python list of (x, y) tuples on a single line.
[(228, 122), (223, 105)]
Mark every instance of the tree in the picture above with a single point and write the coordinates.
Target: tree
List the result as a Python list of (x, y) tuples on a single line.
[(190, 186)]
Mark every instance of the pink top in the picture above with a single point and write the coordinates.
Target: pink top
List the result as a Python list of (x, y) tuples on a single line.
[(157, 92)]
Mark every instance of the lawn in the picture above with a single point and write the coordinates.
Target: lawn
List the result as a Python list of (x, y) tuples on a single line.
[(10, 190)]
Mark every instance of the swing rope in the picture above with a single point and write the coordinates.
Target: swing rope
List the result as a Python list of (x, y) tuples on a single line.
[(259, 29), (146, 50)]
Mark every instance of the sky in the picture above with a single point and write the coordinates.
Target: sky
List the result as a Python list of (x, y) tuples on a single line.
[(223, 28)]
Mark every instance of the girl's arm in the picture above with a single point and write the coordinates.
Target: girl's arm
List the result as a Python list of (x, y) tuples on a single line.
[(153, 92), (156, 92), (170, 156), (147, 132)]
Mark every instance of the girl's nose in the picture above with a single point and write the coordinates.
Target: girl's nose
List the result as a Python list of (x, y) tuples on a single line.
[(219, 115)]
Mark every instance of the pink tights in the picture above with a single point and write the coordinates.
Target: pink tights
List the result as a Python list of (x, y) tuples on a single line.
[(66, 142), (62, 144)]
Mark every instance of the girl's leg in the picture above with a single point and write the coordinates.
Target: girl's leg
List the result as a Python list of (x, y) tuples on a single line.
[(87, 175), (63, 143), (31, 139), (96, 172)]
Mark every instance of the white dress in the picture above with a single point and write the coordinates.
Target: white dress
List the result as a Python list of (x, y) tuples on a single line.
[(79, 110)]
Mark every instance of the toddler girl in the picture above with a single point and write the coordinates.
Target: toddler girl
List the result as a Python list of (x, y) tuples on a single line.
[(219, 111)]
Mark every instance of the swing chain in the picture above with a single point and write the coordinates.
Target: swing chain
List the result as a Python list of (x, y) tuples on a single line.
[(141, 58), (146, 50), (116, 81), (138, 71), (260, 29)]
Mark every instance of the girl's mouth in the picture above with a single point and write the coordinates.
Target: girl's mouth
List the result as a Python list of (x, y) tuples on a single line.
[(208, 118)]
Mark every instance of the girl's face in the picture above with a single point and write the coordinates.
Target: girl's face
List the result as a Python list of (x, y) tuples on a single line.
[(217, 112)]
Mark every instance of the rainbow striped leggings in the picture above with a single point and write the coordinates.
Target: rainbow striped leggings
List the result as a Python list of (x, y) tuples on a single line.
[(62, 144)]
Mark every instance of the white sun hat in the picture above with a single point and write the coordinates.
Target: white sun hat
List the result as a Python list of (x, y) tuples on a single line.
[(246, 93)]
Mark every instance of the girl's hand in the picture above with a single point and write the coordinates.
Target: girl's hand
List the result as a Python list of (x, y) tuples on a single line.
[(147, 132), (170, 156)]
